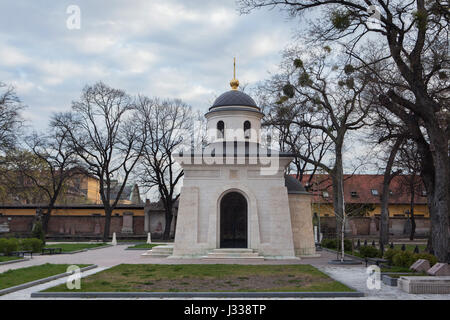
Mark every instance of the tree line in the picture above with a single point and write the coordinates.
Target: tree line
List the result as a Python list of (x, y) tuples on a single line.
[(376, 66), (108, 134), (363, 68)]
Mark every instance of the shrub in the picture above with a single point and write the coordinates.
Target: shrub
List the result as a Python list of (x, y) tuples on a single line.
[(427, 256), (369, 252), (403, 259), (329, 243), (335, 244), (3, 242), (31, 244), (38, 232), (8, 245), (390, 253)]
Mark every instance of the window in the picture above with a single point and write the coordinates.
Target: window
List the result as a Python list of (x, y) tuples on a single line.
[(247, 127), (220, 129), (325, 194), (374, 192), (354, 194)]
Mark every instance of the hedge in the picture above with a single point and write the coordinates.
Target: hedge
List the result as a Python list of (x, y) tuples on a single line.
[(7, 246)]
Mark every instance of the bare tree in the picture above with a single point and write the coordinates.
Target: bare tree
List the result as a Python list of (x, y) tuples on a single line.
[(298, 140), (333, 103), (55, 165), (412, 37), (103, 130), (410, 183), (167, 122), (10, 119)]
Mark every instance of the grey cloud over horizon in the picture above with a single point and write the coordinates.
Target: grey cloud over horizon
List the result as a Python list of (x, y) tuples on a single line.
[(176, 49)]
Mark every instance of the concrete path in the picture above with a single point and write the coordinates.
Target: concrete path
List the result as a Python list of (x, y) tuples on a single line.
[(353, 276), (356, 277)]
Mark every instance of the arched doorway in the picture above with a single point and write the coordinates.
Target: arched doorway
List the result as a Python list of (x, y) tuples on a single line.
[(233, 221)]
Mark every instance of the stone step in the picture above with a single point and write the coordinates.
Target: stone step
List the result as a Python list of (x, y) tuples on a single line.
[(159, 251), (230, 253), (233, 250)]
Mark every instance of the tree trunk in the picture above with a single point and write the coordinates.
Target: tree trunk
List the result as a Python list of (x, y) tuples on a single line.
[(108, 213), (440, 196), (384, 215), (167, 227), (338, 199), (413, 220)]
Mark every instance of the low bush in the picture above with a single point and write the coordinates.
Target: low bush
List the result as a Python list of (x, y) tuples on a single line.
[(38, 232), (403, 259), (389, 255), (427, 256), (335, 244), (8, 245), (369, 252), (31, 244), (329, 243)]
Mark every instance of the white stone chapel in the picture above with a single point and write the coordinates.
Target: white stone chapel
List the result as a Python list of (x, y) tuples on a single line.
[(236, 200)]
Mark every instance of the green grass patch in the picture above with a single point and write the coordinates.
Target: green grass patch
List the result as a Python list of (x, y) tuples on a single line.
[(70, 247), (143, 246), (208, 278), (15, 277), (7, 258)]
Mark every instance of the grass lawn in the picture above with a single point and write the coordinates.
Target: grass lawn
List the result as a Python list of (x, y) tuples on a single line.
[(143, 246), (7, 258), (15, 277), (208, 278), (69, 247)]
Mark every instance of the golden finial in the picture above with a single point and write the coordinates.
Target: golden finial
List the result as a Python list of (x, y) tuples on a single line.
[(235, 82)]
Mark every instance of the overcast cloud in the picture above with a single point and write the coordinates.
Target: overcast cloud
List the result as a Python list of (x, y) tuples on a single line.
[(177, 49)]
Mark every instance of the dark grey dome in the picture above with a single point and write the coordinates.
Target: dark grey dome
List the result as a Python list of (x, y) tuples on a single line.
[(293, 185), (234, 98)]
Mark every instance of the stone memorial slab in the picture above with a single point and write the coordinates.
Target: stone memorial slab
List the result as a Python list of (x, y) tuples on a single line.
[(439, 269), (127, 222), (420, 265), (425, 285)]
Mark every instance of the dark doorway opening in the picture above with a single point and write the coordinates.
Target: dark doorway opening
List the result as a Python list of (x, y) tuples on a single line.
[(233, 221)]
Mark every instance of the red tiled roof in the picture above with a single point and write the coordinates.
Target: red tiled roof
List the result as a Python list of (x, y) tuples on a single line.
[(363, 184)]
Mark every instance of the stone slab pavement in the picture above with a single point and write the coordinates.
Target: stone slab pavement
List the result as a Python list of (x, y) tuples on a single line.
[(353, 276)]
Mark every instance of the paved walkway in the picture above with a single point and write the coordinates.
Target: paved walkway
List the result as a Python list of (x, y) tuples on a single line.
[(354, 276)]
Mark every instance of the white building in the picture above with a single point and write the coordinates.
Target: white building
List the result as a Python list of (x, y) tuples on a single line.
[(235, 200)]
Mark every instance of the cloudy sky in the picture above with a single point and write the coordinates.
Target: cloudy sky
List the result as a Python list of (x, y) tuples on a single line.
[(171, 48)]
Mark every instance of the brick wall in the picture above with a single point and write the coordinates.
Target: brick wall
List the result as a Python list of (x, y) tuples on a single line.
[(72, 225), (362, 225)]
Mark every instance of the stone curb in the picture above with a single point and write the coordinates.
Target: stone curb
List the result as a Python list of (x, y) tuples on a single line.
[(195, 294), (14, 261), (146, 249), (82, 250), (40, 281)]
